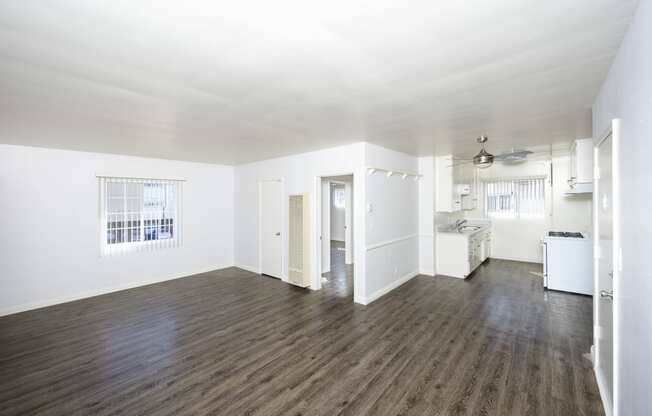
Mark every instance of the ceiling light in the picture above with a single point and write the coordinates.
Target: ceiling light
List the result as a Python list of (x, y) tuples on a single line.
[(483, 159)]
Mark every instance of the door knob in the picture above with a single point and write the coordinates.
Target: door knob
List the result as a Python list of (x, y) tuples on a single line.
[(277, 234), (605, 294)]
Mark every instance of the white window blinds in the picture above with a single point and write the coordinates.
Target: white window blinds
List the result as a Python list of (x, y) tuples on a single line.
[(139, 214), (515, 198)]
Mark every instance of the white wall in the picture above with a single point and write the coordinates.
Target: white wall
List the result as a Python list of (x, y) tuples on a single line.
[(627, 94), (426, 216), (298, 173), (50, 250), (392, 245), (338, 216)]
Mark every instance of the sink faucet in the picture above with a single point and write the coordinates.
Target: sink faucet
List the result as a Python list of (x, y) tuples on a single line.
[(459, 223)]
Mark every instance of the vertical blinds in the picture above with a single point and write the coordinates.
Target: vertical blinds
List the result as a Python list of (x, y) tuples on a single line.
[(515, 198), (139, 214)]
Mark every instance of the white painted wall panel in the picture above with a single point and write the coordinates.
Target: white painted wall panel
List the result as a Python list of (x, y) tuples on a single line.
[(394, 216), (50, 250)]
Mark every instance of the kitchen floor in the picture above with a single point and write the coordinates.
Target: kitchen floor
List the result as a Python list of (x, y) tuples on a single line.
[(230, 342)]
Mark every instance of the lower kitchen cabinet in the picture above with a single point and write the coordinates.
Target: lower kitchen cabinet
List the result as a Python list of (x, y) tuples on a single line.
[(459, 254)]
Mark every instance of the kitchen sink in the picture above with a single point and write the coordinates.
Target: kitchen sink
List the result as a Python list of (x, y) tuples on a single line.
[(469, 228)]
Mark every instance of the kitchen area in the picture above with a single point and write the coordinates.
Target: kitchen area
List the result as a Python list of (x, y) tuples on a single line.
[(534, 207)]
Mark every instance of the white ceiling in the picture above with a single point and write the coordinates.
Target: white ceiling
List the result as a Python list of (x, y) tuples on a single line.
[(237, 81)]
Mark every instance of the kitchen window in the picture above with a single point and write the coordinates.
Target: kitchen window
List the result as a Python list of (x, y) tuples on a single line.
[(139, 214), (515, 198)]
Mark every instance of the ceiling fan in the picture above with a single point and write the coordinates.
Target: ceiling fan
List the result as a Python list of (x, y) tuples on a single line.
[(485, 159)]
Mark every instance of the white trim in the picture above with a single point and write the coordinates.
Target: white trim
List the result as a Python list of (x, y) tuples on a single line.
[(91, 293), (522, 260), (315, 280), (247, 268), (383, 291), (388, 242), (616, 263), (428, 272), (606, 405)]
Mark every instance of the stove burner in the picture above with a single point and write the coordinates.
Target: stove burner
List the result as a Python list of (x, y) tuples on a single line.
[(565, 234)]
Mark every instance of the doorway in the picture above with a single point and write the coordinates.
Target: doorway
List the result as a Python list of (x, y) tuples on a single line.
[(336, 234), (270, 212), (606, 270)]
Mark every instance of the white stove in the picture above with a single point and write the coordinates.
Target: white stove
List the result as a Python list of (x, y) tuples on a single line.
[(568, 262)]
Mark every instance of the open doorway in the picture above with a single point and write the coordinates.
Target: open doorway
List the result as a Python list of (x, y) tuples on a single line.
[(337, 236)]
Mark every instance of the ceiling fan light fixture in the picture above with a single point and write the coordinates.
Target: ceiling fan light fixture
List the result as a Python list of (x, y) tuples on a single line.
[(483, 159)]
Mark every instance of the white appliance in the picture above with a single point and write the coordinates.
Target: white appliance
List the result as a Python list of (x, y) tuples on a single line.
[(568, 262)]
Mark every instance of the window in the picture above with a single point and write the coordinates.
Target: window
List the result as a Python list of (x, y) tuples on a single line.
[(515, 198), (139, 214), (338, 197)]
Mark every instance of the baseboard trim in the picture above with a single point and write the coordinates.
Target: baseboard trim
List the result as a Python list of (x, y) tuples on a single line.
[(383, 291), (517, 259), (606, 404), (247, 268), (103, 291), (429, 272)]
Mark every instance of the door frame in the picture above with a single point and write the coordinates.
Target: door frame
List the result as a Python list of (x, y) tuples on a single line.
[(348, 212), (284, 242), (615, 131), (316, 278), (327, 185)]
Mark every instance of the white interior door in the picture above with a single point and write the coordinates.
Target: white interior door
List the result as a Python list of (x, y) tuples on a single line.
[(271, 224), (325, 239), (348, 223), (604, 269)]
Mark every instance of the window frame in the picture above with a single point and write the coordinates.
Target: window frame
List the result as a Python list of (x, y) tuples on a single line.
[(515, 211), (142, 244)]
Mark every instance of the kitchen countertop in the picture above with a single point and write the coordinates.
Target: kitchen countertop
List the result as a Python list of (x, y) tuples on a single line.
[(447, 229)]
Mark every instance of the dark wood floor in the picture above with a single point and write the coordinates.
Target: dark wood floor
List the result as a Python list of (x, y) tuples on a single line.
[(233, 343)]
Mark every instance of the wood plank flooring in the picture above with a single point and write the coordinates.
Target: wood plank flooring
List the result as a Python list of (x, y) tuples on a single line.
[(233, 343)]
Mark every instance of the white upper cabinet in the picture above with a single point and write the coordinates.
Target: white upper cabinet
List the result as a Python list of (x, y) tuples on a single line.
[(471, 182), (446, 197), (581, 166), (456, 186)]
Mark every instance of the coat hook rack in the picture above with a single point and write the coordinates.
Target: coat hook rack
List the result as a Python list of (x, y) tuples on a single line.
[(389, 173)]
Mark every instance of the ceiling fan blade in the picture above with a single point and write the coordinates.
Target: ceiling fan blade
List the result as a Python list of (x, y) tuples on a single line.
[(516, 154), (461, 162)]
